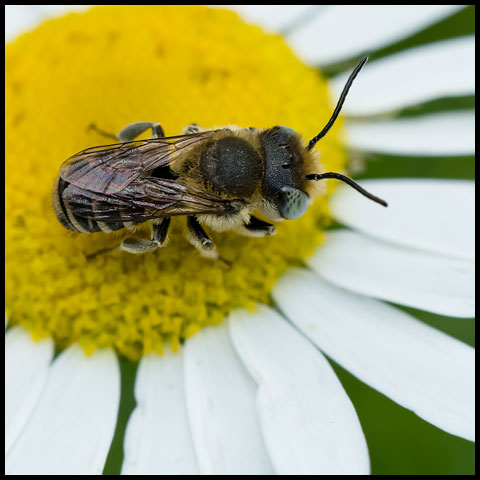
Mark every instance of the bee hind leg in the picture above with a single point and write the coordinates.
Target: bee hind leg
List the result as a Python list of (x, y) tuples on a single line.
[(158, 239), (101, 132), (138, 246), (130, 245), (131, 131)]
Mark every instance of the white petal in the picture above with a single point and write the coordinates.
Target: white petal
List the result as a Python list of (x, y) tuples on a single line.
[(158, 440), (440, 134), (308, 422), (415, 365), (26, 367), (71, 428), (221, 401), (439, 69), (430, 214), (397, 274), (270, 17), (22, 18), (344, 31)]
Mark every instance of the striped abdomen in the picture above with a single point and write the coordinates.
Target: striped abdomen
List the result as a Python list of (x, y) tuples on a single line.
[(68, 200)]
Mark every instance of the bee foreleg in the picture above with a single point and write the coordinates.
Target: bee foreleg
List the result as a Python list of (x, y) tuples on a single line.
[(199, 239), (256, 228), (130, 132)]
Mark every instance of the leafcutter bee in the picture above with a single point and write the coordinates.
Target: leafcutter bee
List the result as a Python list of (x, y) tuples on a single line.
[(218, 178)]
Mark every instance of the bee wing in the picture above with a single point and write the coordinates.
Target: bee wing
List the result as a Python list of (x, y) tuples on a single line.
[(111, 168), (151, 198)]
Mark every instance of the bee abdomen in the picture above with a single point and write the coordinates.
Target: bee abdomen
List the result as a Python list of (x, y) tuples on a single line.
[(66, 198), (61, 210)]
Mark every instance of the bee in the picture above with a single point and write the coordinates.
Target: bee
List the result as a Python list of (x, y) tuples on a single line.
[(217, 178)]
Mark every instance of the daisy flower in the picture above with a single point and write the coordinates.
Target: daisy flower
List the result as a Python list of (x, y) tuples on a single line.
[(170, 363)]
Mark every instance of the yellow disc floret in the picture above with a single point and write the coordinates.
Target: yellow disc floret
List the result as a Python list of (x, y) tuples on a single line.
[(112, 66)]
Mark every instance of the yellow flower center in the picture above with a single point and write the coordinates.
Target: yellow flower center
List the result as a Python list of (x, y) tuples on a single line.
[(115, 65)]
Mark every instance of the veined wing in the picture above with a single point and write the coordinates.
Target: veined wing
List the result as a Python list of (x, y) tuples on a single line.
[(148, 199), (110, 169)]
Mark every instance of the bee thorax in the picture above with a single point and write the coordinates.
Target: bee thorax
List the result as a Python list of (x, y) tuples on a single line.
[(232, 166)]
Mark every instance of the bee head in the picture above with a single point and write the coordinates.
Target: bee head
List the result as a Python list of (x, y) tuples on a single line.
[(284, 179)]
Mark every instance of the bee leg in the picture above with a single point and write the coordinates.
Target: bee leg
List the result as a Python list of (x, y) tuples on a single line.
[(138, 245), (130, 132), (160, 230), (130, 245), (101, 132), (199, 239), (193, 128), (256, 228), (103, 250)]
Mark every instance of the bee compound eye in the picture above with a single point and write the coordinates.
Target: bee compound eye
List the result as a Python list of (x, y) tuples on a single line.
[(288, 130), (293, 202)]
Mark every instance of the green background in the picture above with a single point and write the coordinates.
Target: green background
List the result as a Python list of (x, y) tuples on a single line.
[(399, 442)]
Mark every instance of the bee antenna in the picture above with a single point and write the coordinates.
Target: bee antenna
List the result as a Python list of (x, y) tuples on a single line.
[(346, 88), (343, 178)]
